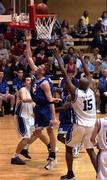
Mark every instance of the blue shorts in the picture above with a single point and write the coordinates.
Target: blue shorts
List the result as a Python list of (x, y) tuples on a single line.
[(63, 128), (43, 116)]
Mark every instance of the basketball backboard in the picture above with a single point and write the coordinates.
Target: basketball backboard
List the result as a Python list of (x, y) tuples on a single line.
[(5, 18)]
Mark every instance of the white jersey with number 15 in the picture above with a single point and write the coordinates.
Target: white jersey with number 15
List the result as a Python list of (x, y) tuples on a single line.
[(85, 107)]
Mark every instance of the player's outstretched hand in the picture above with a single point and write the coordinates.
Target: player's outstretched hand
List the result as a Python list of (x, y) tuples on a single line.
[(28, 35), (53, 123)]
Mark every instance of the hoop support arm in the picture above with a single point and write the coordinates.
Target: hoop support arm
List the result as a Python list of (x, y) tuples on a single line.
[(32, 13)]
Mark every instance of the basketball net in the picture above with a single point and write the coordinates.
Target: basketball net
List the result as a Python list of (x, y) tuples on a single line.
[(44, 26), (43, 23)]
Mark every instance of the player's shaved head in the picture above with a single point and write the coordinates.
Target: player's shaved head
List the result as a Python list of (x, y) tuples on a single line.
[(83, 83)]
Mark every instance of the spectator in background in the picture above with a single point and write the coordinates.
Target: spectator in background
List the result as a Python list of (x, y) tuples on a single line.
[(18, 80), (95, 55), (70, 52), (65, 24), (55, 66), (85, 18), (15, 65), (71, 66), (104, 63), (59, 44), (100, 42), (104, 19), (2, 8), (100, 36), (90, 66), (97, 69), (41, 58), (42, 46), (103, 91), (19, 48), (6, 43), (9, 35), (4, 54), (66, 38), (81, 30), (98, 27), (6, 69), (23, 61), (5, 95)]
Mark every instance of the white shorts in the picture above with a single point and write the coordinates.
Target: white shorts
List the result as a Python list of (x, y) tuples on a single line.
[(80, 135), (25, 126), (102, 166)]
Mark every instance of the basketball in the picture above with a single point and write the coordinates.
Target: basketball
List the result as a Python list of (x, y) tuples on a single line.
[(42, 8)]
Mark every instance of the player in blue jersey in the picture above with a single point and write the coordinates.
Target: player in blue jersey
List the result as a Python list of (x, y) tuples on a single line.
[(66, 114), (41, 93)]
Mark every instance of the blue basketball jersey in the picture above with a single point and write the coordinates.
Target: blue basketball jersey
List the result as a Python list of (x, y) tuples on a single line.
[(42, 110), (67, 117), (37, 94)]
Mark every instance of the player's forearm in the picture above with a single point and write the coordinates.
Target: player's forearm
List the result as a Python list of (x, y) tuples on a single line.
[(86, 71), (70, 86), (29, 57), (52, 108), (28, 49)]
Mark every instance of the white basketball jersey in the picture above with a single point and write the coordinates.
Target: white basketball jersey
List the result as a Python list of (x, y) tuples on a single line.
[(102, 135), (85, 107), (26, 109)]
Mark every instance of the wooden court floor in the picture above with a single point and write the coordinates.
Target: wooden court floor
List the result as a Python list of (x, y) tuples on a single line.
[(34, 168)]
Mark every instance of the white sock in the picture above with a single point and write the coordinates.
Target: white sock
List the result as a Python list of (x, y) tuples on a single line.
[(15, 155), (26, 147), (11, 109)]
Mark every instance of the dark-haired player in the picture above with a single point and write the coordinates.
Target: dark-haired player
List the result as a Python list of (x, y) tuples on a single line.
[(83, 103)]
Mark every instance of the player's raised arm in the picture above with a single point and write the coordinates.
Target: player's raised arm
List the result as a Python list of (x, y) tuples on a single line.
[(86, 71), (28, 51), (70, 86)]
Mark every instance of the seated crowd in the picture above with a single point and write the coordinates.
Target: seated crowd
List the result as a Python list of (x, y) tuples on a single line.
[(13, 62)]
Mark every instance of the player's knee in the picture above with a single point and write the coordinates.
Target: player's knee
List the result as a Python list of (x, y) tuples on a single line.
[(25, 140)]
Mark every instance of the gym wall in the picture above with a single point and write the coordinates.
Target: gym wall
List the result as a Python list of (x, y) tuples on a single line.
[(71, 9)]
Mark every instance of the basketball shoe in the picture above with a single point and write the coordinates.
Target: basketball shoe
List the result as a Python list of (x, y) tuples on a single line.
[(51, 162), (17, 161), (68, 177)]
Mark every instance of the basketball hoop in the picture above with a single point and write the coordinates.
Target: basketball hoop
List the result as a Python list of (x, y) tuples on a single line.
[(42, 23)]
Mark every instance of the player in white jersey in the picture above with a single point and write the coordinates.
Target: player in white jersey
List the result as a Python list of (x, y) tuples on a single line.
[(100, 131), (83, 103), (25, 122)]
